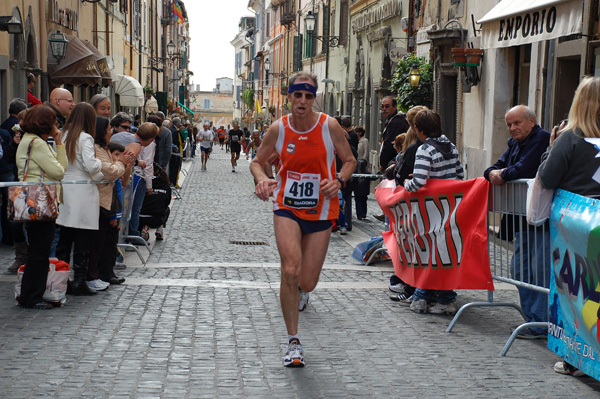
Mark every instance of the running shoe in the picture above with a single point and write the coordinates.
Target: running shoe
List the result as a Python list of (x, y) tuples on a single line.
[(294, 356), (404, 299), (97, 285), (145, 234), (343, 231), (303, 299)]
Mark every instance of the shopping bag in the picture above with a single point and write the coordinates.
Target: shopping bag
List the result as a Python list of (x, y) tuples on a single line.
[(364, 250), (539, 201), (56, 283)]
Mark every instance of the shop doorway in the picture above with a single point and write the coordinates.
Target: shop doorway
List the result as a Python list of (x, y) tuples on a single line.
[(567, 79)]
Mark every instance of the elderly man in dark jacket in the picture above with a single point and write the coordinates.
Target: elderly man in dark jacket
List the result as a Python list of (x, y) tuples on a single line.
[(531, 259)]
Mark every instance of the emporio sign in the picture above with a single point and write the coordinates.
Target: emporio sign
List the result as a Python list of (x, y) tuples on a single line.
[(376, 15)]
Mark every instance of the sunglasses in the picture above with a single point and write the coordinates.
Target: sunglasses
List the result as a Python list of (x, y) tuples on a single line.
[(125, 127), (299, 94)]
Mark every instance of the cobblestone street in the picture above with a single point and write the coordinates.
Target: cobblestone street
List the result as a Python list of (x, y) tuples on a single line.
[(202, 319)]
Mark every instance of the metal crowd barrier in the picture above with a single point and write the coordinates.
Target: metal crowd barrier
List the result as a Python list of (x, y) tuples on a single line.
[(509, 202), (126, 240)]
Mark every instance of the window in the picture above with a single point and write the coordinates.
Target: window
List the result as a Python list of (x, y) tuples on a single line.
[(206, 103)]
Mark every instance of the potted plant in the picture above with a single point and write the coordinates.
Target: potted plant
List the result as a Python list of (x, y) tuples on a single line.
[(473, 56), (459, 56), (272, 109)]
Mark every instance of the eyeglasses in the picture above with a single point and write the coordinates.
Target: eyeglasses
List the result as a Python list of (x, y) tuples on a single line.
[(126, 127), (299, 94), (66, 99)]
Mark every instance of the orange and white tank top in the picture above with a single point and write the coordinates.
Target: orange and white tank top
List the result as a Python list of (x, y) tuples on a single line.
[(306, 159)]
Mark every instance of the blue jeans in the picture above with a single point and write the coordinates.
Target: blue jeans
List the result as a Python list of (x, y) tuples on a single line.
[(531, 264), (441, 296), (138, 201)]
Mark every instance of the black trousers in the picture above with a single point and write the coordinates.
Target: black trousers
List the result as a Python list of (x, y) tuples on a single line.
[(79, 240), (33, 285), (103, 253)]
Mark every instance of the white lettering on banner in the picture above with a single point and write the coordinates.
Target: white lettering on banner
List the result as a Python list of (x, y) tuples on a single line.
[(533, 23), (571, 343), (376, 15), (419, 232)]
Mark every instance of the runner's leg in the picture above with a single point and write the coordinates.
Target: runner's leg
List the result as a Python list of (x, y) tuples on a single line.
[(314, 250), (289, 238)]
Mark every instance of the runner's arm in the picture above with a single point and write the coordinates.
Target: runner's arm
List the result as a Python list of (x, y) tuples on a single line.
[(265, 185), (329, 188)]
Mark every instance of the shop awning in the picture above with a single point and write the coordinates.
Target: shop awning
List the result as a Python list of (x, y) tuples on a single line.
[(517, 22), (77, 68), (101, 62), (130, 91)]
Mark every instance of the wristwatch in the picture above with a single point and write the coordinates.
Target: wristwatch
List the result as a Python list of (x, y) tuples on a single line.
[(342, 181)]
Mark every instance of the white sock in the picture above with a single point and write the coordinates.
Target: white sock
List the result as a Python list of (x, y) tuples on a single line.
[(291, 337)]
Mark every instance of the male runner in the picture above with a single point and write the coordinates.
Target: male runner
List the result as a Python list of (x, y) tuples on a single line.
[(305, 197), (234, 139), (205, 137)]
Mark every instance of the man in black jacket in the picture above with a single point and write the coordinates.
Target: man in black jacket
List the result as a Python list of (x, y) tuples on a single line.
[(396, 123)]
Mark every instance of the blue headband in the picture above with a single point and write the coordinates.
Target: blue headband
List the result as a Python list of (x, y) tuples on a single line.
[(303, 86)]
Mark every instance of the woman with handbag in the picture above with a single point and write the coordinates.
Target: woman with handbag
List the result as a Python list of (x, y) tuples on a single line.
[(103, 252), (79, 212), (35, 161), (570, 162)]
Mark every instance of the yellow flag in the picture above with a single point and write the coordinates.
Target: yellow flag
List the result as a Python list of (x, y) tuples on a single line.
[(257, 107)]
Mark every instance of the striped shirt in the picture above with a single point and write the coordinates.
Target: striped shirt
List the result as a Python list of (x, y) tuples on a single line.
[(435, 159)]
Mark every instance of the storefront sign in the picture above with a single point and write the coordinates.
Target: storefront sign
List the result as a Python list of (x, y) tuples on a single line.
[(506, 26), (379, 34), (376, 15), (574, 300), (63, 16)]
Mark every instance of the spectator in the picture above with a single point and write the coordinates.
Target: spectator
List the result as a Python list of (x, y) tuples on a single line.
[(532, 250), (103, 252), (79, 212), (101, 104), (121, 122), (39, 123), (176, 151), (16, 105), (570, 162), (61, 101), (437, 158), (163, 140), (363, 185), (31, 98)]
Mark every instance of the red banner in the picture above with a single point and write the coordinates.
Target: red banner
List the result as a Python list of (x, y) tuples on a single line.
[(438, 236)]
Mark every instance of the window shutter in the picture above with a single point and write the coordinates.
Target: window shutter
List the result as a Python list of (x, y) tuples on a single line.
[(344, 22), (326, 31)]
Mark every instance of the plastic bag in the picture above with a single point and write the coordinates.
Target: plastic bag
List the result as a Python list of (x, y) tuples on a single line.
[(56, 283), (364, 250), (539, 201)]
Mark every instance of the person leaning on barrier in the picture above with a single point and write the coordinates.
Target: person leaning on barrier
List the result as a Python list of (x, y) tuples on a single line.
[(39, 124), (521, 160), (437, 158), (570, 162)]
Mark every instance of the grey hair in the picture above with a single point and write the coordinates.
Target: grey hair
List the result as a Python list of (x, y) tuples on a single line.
[(16, 105), (166, 122), (97, 99), (526, 110), (177, 121)]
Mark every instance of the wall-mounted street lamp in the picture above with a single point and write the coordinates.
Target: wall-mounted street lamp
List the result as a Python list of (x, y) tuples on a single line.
[(11, 25), (171, 48), (58, 45), (309, 20), (267, 65), (414, 76)]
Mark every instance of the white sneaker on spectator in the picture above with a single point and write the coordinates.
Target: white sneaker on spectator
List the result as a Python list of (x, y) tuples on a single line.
[(98, 285), (448, 309), (419, 306), (562, 368)]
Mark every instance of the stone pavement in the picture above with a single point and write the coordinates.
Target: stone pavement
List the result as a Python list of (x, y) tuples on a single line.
[(202, 320)]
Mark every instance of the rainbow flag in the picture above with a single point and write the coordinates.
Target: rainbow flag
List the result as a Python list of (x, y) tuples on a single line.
[(177, 13)]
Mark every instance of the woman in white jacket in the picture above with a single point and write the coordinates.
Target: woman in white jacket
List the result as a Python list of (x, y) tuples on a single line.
[(79, 212)]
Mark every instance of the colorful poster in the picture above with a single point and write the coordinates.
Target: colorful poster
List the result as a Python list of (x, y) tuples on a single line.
[(438, 236), (573, 331)]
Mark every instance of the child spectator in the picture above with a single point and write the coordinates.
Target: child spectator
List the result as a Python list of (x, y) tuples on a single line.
[(155, 210), (437, 158)]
